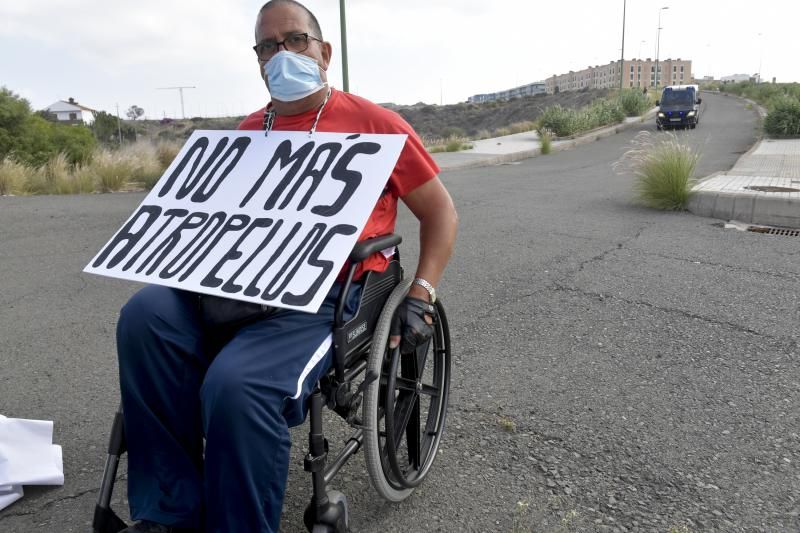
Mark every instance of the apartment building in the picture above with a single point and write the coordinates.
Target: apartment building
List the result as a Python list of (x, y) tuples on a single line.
[(634, 73), (530, 89)]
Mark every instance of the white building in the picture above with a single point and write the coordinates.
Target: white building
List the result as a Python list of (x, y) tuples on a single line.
[(71, 111), (734, 78), (530, 89)]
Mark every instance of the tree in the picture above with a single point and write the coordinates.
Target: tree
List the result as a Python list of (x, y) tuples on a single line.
[(30, 138), (106, 128), (134, 112)]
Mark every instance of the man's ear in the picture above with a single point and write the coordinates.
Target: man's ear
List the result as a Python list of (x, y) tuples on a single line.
[(327, 53)]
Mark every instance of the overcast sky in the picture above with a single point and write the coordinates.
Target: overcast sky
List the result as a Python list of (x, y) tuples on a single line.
[(404, 51)]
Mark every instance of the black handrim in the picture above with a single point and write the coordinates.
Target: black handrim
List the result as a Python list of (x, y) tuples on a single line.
[(408, 393)]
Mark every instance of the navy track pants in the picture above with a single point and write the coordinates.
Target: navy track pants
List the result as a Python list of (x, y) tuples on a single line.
[(242, 394)]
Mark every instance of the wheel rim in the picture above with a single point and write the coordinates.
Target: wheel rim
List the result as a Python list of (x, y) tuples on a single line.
[(414, 390)]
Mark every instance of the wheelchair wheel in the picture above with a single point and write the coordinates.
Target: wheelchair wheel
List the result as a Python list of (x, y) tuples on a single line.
[(405, 409)]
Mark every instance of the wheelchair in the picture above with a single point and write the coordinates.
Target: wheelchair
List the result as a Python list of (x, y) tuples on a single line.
[(396, 403)]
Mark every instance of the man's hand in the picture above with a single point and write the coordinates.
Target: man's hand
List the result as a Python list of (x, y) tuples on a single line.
[(411, 325)]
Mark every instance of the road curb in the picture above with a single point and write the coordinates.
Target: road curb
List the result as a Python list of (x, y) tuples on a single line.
[(752, 208)]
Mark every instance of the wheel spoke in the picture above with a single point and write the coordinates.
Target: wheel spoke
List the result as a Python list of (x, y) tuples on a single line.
[(430, 390), (404, 409), (405, 384), (412, 436)]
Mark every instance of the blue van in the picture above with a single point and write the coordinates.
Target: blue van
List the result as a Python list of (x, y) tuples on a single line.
[(679, 106)]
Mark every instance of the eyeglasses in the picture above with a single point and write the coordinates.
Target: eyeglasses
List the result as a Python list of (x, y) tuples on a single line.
[(296, 42)]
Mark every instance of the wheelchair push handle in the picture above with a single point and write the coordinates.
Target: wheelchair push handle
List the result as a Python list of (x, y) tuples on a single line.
[(361, 251), (366, 248)]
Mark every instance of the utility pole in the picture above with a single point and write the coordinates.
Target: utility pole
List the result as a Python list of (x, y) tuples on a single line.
[(119, 126), (180, 90), (343, 23), (658, 42), (622, 56)]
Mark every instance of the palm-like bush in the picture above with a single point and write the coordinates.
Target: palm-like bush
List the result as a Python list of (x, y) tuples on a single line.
[(663, 168)]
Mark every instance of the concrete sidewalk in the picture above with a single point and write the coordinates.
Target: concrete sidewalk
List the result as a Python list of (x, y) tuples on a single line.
[(762, 188), (510, 148)]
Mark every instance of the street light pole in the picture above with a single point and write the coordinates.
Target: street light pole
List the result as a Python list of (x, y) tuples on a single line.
[(658, 42), (343, 23), (760, 55), (622, 56)]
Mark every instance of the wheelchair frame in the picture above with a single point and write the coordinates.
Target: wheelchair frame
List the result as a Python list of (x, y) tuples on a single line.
[(360, 348)]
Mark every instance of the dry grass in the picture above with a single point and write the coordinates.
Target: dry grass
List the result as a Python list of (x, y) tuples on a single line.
[(146, 161), (166, 152), (138, 165), (507, 424), (522, 127), (13, 176), (450, 144), (546, 141), (111, 170)]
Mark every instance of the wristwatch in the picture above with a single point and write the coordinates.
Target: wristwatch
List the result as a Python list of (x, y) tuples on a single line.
[(427, 286)]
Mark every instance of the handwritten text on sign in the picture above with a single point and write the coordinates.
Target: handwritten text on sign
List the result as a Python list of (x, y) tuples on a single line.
[(262, 219)]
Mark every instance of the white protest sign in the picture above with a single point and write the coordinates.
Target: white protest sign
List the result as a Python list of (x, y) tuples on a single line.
[(264, 219)]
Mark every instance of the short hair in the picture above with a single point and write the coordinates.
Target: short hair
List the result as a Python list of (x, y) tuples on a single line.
[(311, 18)]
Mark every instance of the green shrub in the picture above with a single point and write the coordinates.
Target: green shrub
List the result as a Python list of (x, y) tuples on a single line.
[(77, 143), (764, 93), (633, 102), (783, 117), (604, 112), (107, 129), (562, 121), (663, 168)]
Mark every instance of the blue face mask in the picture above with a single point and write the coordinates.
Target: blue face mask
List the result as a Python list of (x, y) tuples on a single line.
[(292, 76)]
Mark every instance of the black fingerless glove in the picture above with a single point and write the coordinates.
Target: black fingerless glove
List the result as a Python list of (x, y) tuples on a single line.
[(409, 322)]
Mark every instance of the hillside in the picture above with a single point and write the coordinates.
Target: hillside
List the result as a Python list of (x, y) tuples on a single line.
[(471, 120), (430, 121)]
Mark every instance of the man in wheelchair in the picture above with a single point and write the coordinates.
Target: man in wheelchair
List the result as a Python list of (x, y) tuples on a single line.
[(188, 373)]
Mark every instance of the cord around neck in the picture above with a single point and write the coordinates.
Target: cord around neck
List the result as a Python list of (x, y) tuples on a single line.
[(269, 115)]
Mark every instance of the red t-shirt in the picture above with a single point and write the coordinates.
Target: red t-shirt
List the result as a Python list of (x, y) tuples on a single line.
[(347, 113)]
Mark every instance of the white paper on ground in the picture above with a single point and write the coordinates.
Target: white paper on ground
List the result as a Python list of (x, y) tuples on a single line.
[(27, 457), (7, 497)]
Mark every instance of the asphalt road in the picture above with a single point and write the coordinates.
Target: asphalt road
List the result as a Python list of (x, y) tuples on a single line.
[(643, 364)]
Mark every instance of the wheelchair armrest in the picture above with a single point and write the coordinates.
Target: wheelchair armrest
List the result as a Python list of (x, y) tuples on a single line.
[(366, 248)]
